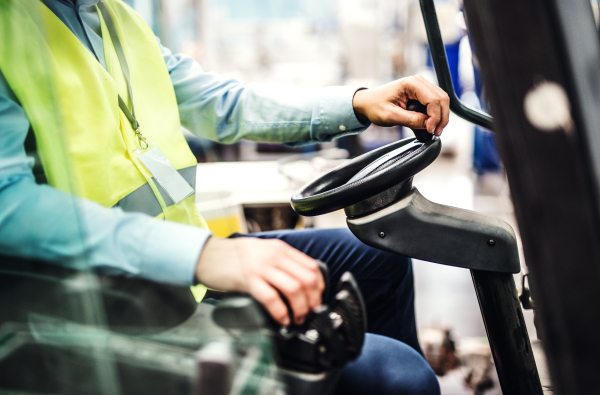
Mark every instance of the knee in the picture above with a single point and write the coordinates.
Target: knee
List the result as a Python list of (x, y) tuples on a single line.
[(424, 382), (419, 379), (400, 266), (387, 366)]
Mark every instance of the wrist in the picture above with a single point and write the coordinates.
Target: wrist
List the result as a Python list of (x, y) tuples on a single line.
[(218, 265), (204, 260), (359, 104)]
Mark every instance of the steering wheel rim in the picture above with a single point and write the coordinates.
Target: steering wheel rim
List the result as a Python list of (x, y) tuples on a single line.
[(332, 192)]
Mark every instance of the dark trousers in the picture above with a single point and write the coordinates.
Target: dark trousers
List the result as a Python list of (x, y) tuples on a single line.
[(391, 360)]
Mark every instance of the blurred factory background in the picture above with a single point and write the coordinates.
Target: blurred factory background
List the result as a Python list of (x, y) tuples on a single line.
[(308, 43), (247, 186)]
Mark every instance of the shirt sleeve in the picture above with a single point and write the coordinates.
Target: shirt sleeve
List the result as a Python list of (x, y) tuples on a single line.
[(40, 222), (226, 111)]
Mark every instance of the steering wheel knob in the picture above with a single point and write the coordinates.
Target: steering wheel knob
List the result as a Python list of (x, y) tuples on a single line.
[(421, 134)]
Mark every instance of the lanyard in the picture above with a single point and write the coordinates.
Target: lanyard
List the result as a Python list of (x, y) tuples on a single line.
[(112, 31)]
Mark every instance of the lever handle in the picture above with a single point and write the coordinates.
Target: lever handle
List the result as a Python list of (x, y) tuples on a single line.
[(421, 134)]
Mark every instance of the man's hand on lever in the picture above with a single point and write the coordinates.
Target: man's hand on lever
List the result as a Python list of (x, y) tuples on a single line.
[(386, 105), (263, 269)]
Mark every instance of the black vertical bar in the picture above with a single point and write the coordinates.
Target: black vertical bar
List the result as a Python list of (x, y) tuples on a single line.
[(507, 333), (442, 70), (553, 172)]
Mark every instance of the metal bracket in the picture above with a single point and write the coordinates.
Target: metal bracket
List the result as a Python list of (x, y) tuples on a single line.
[(424, 230)]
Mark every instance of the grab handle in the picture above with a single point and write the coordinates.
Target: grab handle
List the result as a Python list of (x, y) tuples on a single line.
[(442, 70)]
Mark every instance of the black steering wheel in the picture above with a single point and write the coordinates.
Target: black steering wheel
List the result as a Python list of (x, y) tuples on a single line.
[(372, 180)]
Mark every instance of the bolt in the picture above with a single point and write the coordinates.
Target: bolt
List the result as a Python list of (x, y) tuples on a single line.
[(312, 334), (491, 242), (336, 319), (335, 316), (382, 234)]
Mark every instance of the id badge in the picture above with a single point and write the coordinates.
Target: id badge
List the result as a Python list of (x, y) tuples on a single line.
[(163, 172)]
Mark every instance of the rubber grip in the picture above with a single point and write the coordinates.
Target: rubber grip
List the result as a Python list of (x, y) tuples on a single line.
[(421, 134)]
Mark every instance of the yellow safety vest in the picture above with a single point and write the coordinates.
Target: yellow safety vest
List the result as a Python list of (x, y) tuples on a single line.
[(84, 140)]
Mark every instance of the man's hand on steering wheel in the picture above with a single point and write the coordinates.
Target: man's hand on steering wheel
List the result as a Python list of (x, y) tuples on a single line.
[(386, 105), (263, 269)]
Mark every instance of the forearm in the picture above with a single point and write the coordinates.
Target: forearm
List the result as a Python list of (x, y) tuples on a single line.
[(40, 222), (226, 111), (270, 114)]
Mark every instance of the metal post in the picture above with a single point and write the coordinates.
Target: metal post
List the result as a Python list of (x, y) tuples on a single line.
[(527, 49), (507, 333)]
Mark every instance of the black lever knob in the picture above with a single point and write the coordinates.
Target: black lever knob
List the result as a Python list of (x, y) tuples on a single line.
[(421, 134)]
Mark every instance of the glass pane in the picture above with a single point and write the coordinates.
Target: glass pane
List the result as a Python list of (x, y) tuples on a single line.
[(69, 324)]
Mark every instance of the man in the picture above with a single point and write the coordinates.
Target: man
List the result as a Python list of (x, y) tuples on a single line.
[(104, 100)]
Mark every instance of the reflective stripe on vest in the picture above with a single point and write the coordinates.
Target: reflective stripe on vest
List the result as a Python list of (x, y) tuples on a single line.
[(142, 200)]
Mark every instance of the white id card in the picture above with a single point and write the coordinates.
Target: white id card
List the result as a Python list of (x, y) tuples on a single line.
[(164, 173)]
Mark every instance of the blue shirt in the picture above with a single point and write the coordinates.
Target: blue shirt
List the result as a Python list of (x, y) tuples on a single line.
[(40, 222)]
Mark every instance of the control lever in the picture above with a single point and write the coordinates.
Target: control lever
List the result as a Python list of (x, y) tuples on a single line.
[(525, 297), (421, 134), (331, 335)]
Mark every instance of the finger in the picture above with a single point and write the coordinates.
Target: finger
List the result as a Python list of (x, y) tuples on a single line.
[(434, 110), (302, 258), (292, 290), (309, 264), (311, 280), (428, 94), (268, 296), (445, 114), (411, 119), (422, 90)]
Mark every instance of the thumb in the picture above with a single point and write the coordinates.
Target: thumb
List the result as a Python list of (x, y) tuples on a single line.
[(411, 119)]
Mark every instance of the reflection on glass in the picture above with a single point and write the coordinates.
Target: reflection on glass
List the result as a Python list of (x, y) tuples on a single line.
[(72, 321)]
